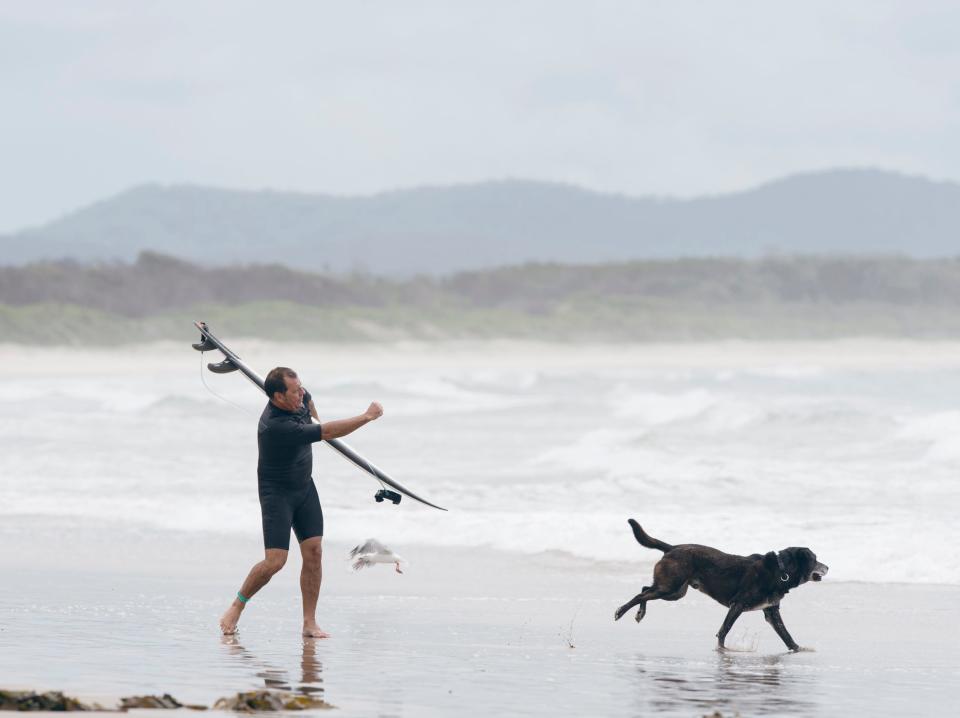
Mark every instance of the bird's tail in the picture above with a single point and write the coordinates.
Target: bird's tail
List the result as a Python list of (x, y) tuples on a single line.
[(648, 541)]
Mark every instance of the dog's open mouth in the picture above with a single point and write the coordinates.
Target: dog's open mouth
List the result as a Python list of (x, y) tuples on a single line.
[(817, 576)]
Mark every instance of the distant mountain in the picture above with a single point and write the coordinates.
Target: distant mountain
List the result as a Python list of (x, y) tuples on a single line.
[(438, 230)]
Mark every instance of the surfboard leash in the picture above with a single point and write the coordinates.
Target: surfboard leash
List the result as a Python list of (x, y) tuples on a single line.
[(218, 396)]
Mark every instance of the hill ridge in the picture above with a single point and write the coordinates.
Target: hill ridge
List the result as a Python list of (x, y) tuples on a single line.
[(448, 228)]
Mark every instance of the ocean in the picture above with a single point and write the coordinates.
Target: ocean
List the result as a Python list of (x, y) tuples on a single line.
[(850, 448)]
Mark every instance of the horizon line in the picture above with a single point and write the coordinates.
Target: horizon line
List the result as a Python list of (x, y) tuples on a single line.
[(433, 187)]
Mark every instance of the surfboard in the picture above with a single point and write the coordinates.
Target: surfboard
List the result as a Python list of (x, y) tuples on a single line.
[(231, 362)]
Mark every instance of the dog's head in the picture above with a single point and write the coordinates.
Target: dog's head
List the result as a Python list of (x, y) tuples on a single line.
[(799, 565)]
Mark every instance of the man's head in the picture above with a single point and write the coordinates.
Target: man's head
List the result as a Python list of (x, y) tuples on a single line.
[(284, 388)]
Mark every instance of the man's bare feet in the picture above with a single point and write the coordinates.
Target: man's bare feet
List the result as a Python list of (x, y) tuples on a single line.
[(312, 630), (229, 620)]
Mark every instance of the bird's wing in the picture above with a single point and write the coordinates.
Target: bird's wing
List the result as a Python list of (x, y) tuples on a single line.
[(362, 562), (368, 547)]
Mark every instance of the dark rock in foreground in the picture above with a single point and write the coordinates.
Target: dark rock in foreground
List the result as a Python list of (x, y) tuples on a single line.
[(164, 701), (248, 702), (49, 701), (258, 701), (56, 701)]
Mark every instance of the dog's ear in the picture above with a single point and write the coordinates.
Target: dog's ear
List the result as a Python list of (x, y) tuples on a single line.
[(806, 560), (770, 561)]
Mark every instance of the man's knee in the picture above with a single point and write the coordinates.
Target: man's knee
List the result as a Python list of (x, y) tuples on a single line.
[(274, 561), (312, 550)]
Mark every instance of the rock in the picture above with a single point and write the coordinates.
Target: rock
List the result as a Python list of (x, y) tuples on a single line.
[(302, 703), (257, 701), (49, 701), (250, 702), (164, 701)]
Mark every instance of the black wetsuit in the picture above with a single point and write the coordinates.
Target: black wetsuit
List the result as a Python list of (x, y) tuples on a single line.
[(288, 496)]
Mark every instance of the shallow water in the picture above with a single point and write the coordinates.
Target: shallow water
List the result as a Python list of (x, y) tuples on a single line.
[(876, 653)]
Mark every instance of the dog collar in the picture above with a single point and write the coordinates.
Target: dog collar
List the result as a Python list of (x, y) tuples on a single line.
[(784, 576)]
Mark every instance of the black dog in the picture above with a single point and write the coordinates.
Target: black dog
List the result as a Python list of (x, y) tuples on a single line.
[(742, 583)]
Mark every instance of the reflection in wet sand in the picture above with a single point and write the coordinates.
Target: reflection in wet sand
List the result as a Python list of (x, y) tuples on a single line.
[(731, 683), (311, 679)]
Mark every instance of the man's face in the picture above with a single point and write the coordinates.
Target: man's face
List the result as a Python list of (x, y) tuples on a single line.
[(292, 399)]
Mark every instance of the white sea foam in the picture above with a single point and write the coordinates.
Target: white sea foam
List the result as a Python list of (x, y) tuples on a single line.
[(789, 371), (939, 431), (654, 408)]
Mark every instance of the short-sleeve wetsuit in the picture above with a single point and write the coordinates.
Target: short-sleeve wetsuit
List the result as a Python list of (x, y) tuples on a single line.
[(288, 496)]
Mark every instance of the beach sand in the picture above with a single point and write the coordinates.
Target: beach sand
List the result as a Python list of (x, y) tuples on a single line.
[(344, 358), (472, 632)]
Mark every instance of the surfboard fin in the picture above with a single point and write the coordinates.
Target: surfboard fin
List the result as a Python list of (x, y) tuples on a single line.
[(224, 367), (205, 345)]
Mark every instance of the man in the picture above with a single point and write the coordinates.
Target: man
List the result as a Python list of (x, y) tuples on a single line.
[(288, 496)]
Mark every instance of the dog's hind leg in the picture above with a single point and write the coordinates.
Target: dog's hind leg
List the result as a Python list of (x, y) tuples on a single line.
[(772, 616), (641, 612), (638, 599), (650, 593), (675, 596), (669, 583)]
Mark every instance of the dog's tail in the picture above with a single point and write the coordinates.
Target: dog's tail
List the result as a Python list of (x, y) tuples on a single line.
[(645, 540)]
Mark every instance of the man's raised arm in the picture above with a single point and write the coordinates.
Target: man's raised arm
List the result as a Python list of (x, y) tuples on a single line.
[(341, 427)]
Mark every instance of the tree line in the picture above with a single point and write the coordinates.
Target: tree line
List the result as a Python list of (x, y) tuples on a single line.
[(156, 283)]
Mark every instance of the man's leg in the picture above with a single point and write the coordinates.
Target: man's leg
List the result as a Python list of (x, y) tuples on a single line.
[(308, 526), (310, 577), (258, 577)]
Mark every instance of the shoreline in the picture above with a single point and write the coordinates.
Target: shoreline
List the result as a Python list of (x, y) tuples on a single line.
[(108, 548), (851, 352)]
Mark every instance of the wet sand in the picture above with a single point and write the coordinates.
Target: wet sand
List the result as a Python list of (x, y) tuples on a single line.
[(473, 632)]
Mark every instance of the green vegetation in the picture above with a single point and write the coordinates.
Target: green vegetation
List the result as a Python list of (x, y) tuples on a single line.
[(158, 298), (56, 324)]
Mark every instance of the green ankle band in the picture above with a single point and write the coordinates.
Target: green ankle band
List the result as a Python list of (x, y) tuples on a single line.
[(243, 599)]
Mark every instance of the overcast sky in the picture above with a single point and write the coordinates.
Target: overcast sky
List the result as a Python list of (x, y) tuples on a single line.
[(671, 97)]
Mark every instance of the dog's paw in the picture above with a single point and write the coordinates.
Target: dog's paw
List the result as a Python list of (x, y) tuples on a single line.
[(618, 614), (803, 649), (641, 612)]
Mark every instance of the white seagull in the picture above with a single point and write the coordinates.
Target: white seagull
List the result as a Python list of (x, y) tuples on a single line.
[(372, 551)]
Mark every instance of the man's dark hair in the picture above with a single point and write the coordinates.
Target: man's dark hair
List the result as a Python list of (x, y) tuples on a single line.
[(275, 383)]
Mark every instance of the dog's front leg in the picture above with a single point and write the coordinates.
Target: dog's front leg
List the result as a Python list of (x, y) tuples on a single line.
[(772, 616), (732, 615)]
